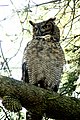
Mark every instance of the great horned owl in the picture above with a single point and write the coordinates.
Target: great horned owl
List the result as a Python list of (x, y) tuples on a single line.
[(43, 57)]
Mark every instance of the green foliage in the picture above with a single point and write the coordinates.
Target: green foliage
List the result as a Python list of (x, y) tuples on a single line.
[(72, 72), (69, 86)]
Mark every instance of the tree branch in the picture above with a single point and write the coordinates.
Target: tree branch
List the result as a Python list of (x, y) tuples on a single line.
[(40, 101), (36, 5)]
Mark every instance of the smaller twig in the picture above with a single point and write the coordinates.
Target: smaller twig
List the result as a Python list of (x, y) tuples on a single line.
[(36, 5), (5, 60), (4, 5), (5, 113)]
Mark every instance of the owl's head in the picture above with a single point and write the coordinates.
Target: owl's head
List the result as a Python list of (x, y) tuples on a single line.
[(47, 27)]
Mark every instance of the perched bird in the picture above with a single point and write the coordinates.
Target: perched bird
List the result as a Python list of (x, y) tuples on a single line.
[(43, 57)]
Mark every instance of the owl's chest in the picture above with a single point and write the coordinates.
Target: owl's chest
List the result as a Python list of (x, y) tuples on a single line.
[(43, 49)]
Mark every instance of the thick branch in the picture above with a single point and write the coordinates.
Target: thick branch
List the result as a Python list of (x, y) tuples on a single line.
[(41, 101)]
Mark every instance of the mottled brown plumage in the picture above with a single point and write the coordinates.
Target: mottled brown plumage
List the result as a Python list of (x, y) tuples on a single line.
[(43, 57)]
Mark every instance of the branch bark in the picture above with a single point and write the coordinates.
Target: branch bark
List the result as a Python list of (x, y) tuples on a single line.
[(40, 101)]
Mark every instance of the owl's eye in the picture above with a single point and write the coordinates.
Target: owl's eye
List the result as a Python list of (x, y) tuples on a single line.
[(43, 26), (46, 26), (35, 28)]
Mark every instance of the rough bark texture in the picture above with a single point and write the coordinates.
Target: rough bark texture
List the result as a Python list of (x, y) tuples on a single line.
[(40, 101)]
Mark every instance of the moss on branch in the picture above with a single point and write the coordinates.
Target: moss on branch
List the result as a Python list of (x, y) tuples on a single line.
[(40, 101)]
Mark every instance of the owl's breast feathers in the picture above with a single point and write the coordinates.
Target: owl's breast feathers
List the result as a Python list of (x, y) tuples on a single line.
[(45, 60)]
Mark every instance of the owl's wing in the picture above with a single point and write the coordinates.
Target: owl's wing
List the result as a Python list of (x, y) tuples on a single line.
[(25, 76)]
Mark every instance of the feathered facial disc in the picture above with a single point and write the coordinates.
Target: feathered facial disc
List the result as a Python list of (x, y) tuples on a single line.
[(43, 28)]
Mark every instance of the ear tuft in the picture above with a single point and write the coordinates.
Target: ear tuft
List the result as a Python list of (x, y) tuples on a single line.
[(31, 23), (52, 19)]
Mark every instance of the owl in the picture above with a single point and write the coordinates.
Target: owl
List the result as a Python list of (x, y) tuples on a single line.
[(43, 57)]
